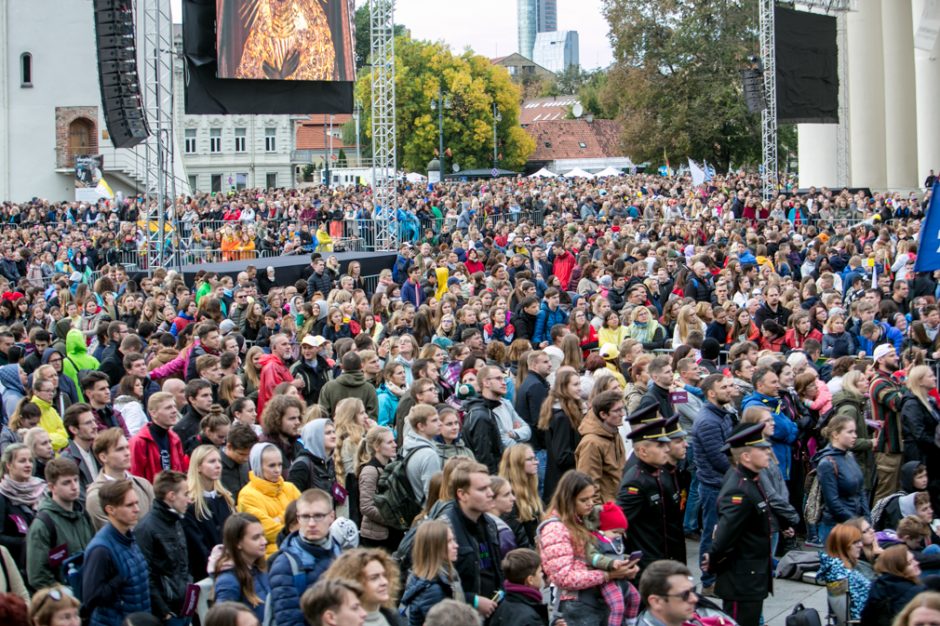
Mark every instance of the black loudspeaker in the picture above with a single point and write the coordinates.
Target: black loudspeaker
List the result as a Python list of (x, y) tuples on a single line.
[(117, 73), (753, 80)]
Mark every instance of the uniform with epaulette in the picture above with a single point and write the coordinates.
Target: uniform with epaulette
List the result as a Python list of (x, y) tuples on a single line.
[(675, 483), (643, 497), (740, 554)]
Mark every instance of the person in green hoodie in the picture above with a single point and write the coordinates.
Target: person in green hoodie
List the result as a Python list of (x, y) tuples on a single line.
[(77, 359), (61, 529), (61, 331), (350, 384)]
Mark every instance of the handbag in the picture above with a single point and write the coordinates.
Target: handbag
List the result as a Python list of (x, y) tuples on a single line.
[(801, 616)]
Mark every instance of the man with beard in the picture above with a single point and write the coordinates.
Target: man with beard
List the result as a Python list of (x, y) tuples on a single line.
[(886, 395)]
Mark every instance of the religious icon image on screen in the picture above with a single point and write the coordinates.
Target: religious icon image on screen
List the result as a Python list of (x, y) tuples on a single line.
[(285, 39)]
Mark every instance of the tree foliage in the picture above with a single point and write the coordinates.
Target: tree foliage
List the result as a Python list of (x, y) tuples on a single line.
[(361, 22), (472, 83), (676, 83)]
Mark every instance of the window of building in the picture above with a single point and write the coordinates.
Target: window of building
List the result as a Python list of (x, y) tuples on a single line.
[(189, 141), (26, 70), (240, 134), (192, 182), (270, 180), (270, 139), (241, 180), (83, 139), (216, 183), (215, 140)]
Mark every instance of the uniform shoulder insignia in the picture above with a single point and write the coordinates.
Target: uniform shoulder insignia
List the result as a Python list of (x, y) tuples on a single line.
[(737, 499), (633, 490)]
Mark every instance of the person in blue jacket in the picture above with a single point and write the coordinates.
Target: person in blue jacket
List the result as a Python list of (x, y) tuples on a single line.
[(243, 555), (549, 314), (304, 555), (767, 394), (840, 478), (872, 334)]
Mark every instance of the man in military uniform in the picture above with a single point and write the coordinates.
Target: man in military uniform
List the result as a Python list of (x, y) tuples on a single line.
[(740, 553), (676, 480), (644, 491), (642, 416)]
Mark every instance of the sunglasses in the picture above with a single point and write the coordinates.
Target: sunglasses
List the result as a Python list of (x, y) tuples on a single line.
[(685, 596), (57, 594)]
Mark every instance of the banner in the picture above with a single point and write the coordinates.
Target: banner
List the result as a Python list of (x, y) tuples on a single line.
[(698, 174), (88, 179), (928, 248)]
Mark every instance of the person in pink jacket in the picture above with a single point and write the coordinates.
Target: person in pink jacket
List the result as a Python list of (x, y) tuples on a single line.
[(562, 539)]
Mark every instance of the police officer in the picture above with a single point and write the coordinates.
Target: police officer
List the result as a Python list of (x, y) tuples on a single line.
[(644, 491), (740, 553), (677, 480)]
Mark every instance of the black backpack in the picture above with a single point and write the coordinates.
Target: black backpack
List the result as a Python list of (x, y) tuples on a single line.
[(396, 502)]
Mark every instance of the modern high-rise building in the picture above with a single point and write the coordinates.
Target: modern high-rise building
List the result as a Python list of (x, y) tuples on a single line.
[(535, 16), (557, 50)]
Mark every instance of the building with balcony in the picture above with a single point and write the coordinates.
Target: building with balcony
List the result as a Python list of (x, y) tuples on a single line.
[(50, 103)]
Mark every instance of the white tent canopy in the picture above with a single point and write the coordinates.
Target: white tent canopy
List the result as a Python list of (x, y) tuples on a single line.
[(543, 173), (609, 171), (578, 173), (415, 177)]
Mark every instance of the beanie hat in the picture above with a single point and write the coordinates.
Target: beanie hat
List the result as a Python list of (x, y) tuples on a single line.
[(612, 517)]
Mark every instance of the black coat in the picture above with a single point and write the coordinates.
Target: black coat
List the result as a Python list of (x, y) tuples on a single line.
[(234, 475), (698, 288), (886, 597), (112, 363), (310, 472), (470, 535), (660, 397), (524, 325), (204, 534), (561, 441), (481, 433), (528, 403), (10, 536), (740, 554), (517, 609), (162, 540), (643, 497), (314, 379), (675, 480)]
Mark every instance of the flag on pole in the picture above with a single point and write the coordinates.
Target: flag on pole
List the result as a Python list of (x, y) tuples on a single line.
[(874, 276), (928, 247), (668, 167), (709, 172)]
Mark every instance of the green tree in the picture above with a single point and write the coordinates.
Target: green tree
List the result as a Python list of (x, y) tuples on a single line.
[(341, 158), (471, 83), (361, 20), (676, 83)]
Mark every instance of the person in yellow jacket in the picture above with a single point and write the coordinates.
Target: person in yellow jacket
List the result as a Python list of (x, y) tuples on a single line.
[(49, 420), (610, 353), (443, 273), (267, 494), (324, 241)]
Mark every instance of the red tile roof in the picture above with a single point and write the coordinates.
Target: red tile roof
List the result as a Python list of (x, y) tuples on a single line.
[(310, 132), (563, 139)]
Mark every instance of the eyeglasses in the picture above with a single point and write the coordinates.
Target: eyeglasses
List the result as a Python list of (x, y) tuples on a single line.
[(316, 518), (685, 596)]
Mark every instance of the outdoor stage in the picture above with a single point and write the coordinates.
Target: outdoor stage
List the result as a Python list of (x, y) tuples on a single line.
[(289, 269)]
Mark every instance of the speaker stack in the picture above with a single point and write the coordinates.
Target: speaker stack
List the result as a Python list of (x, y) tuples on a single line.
[(753, 80), (117, 73)]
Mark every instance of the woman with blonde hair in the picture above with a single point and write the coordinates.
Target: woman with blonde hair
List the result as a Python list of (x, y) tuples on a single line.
[(377, 574), (231, 388), (211, 505), (376, 449), (252, 370), (351, 422), (897, 584), (920, 417), (852, 400), (922, 610), (571, 352), (687, 321), (433, 577), (560, 418), (520, 467), (55, 606), (644, 328)]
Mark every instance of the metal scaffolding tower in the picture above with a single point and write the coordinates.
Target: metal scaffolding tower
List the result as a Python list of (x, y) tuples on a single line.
[(384, 166), (155, 30), (769, 180)]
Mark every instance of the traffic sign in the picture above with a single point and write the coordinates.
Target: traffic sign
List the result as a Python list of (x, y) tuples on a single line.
[(494, 172)]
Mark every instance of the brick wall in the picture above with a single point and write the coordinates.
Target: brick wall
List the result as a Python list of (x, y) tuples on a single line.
[(64, 116)]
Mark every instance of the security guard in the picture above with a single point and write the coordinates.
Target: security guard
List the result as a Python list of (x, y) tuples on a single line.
[(677, 480), (644, 492), (740, 554)]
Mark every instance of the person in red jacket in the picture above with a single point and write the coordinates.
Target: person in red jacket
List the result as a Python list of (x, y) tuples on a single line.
[(156, 448), (274, 370), (562, 264), (801, 330)]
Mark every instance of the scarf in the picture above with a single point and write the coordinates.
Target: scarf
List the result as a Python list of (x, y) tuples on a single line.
[(643, 332), (24, 494), (395, 389)]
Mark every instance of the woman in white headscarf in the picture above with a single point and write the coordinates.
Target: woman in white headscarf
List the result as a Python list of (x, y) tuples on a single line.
[(267, 494), (314, 467)]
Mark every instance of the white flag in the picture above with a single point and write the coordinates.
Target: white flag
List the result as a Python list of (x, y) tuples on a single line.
[(874, 276), (698, 174)]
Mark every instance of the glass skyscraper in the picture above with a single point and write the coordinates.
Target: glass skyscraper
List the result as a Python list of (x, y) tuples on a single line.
[(535, 16)]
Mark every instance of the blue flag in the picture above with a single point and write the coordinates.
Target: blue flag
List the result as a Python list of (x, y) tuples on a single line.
[(928, 248)]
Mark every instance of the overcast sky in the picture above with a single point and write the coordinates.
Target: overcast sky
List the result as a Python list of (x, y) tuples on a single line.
[(489, 26)]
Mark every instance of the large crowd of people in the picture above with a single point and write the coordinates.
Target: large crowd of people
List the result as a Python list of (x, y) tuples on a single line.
[(523, 420)]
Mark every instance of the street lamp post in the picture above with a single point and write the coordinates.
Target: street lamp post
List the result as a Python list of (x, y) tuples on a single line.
[(497, 117), (442, 102)]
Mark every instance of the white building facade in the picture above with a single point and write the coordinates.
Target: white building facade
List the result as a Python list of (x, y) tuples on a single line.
[(50, 102), (889, 136), (225, 152), (556, 50)]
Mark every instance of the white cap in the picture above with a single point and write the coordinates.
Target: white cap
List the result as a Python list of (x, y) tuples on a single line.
[(882, 351)]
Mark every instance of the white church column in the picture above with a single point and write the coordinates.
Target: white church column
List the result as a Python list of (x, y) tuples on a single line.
[(818, 154), (927, 79), (866, 104), (899, 95)]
